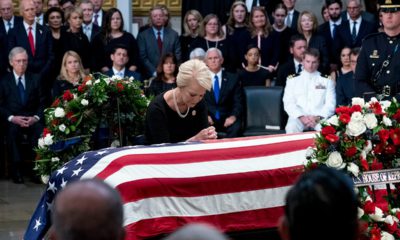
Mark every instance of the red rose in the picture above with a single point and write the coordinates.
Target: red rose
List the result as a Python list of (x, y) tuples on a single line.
[(376, 108), (55, 103), (396, 116), (355, 108), (369, 207), (378, 149), (67, 96), (364, 164), (391, 228), (383, 135), (81, 88), (328, 130), (390, 149), (395, 136), (344, 118), (351, 151), (46, 131), (332, 138), (375, 233), (120, 87), (343, 109), (71, 117), (375, 165), (54, 122)]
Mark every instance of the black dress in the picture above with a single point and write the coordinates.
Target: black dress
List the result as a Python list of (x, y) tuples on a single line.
[(284, 39), (129, 41), (79, 43), (237, 48), (186, 42), (158, 86), (256, 78), (59, 87), (164, 125), (270, 48), (222, 45)]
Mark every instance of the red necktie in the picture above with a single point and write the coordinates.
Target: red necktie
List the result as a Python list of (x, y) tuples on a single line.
[(159, 41), (31, 42)]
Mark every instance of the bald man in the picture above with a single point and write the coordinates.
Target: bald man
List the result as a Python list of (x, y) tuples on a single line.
[(197, 231), (88, 209)]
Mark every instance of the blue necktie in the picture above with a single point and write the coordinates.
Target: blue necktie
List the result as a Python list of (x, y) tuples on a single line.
[(299, 68), (354, 31), (216, 95), (9, 25), (21, 90), (334, 31)]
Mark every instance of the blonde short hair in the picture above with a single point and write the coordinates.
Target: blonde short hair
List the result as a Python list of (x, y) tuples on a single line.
[(194, 69)]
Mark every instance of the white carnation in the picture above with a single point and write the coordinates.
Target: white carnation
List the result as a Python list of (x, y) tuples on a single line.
[(334, 120), (62, 127), (370, 120), (356, 116), (386, 236), (386, 121), (353, 168), (59, 112), (48, 140), (385, 104), (84, 102), (389, 220), (373, 99), (88, 83), (335, 160), (355, 128), (358, 101), (378, 215)]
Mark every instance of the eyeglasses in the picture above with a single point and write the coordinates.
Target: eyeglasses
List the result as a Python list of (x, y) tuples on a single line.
[(20, 61)]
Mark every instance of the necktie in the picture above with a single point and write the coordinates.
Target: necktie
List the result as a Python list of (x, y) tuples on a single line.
[(31, 41), (216, 95), (289, 20), (96, 16), (354, 31), (159, 41), (21, 90), (334, 31), (87, 32), (299, 68), (121, 74), (9, 25)]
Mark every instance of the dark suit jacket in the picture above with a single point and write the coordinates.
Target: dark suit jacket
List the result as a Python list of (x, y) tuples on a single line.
[(364, 15), (286, 69), (295, 19), (344, 38), (127, 73), (230, 98), (10, 101), (3, 54), (345, 89), (148, 48), (17, 21), (44, 56), (325, 31), (318, 42)]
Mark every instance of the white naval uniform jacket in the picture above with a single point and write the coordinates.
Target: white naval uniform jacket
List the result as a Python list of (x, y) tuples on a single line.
[(309, 94)]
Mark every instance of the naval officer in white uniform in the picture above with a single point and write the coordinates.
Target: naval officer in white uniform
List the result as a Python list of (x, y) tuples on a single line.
[(309, 97)]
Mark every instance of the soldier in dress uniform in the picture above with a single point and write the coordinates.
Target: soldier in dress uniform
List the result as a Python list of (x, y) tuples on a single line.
[(309, 97), (378, 65)]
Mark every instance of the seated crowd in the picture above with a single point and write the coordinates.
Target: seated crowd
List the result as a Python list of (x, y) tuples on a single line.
[(43, 53)]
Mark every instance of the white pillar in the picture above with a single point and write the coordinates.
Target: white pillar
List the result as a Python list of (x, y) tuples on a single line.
[(125, 6)]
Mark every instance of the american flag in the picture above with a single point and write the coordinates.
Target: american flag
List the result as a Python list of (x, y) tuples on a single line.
[(236, 185)]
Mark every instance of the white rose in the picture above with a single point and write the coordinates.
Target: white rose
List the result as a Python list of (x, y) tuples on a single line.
[(107, 80), (386, 236), (334, 120), (358, 101), (370, 120), (360, 213), (389, 219), (355, 128), (59, 112), (62, 127), (131, 79), (378, 215), (88, 83), (97, 81), (41, 142), (55, 159), (386, 121), (335, 160), (353, 168), (84, 102), (395, 210), (385, 104), (48, 140), (373, 99), (114, 77), (356, 116)]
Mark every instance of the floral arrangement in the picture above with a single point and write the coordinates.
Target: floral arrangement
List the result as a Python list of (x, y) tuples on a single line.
[(363, 137), (117, 103)]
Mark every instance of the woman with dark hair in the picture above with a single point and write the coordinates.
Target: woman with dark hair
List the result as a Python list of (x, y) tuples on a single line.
[(191, 27), (165, 80), (264, 38), (113, 34), (252, 74), (236, 33), (285, 33)]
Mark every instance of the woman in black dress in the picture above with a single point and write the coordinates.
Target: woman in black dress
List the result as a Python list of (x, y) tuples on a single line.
[(180, 114), (71, 74), (253, 74), (165, 80), (191, 26), (113, 35)]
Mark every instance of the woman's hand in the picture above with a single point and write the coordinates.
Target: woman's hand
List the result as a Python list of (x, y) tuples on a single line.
[(205, 134)]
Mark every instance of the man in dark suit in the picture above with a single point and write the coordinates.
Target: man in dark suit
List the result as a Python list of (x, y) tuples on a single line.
[(37, 41), (292, 14), (3, 54), (351, 32), (21, 107), (8, 20), (345, 84), (120, 58), (99, 14), (367, 16), (157, 41), (298, 46), (224, 102), (39, 11), (329, 29)]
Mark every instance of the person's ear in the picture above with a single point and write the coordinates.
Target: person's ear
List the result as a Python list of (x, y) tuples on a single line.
[(283, 228)]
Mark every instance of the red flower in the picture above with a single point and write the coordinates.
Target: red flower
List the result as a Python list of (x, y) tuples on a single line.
[(375, 165), (355, 108), (70, 116), (328, 130), (344, 118), (87, 78), (383, 135), (395, 136), (55, 103), (81, 88), (343, 109), (120, 87), (364, 164), (378, 149), (390, 149), (369, 207), (67, 96), (46, 131), (375, 233), (391, 228), (376, 108), (396, 116), (332, 138), (55, 122), (351, 151)]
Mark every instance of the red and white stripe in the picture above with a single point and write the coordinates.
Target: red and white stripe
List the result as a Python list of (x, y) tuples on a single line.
[(237, 184)]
